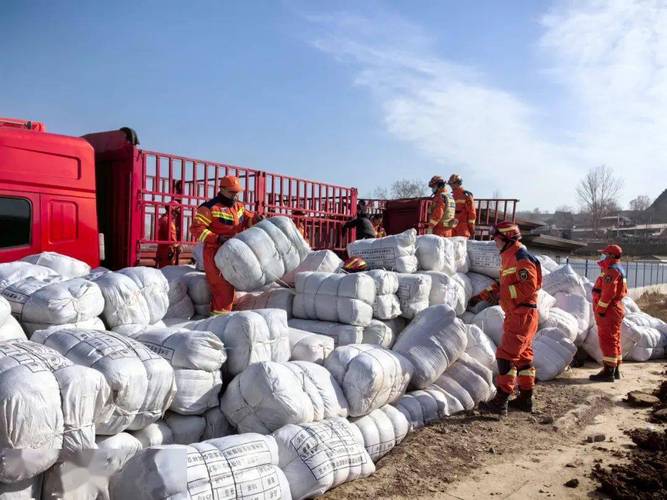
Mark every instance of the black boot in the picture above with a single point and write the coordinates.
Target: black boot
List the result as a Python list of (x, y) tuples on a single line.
[(617, 372), (604, 375), (523, 402), (497, 406)]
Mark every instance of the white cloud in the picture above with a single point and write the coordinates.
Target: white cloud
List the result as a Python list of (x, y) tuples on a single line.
[(610, 57)]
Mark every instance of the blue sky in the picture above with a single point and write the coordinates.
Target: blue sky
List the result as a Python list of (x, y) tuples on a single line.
[(519, 97)]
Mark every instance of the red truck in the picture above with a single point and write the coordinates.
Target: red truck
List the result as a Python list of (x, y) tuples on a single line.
[(99, 197)]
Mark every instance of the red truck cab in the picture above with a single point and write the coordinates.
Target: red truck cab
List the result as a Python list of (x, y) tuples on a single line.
[(47, 193)]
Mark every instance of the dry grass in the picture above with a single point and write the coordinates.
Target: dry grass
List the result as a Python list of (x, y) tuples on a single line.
[(655, 304)]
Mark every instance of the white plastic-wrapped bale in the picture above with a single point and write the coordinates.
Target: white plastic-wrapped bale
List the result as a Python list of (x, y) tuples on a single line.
[(479, 282), (425, 406), (29, 489), (484, 258), (544, 304), (319, 456), (240, 466), (199, 292), (65, 266), (52, 301), (436, 253), (490, 321), (48, 404), (446, 290), (89, 324), (9, 327), (308, 346), (197, 359), (432, 342), (340, 333), (413, 293), (180, 303), (468, 317), (465, 282), (155, 434), (262, 254), (630, 305), (386, 305), (394, 253), (651, 333), (142, 383), (630, 335), (566, 323), (548, 264), (154, 287), (123, 301), (268, 395), (198, 256), (397, 325), (382, 430), (322, 261), (341, 298), (481, 348), (579, 307), (216, 424), (460, 246), (134, 329), (564, 280), (248, 337), (370, 376), (11, 272), (186, 429), (468, 381), (273, 298), (378, 333), (552, 353)]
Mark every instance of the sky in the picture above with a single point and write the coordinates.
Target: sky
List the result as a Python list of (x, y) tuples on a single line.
[(519, 97)]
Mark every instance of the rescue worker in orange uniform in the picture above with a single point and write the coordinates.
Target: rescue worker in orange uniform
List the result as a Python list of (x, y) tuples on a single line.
[(168, 253), (216, 221), (297, 217), (376, 220), (465, 213), (608, 292), (520, 281), (441, 218)]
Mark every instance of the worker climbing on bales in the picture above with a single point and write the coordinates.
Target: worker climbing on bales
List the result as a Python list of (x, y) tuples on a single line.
[(167, 231), (362, 223), (216, 221), (442, 212), (608, 292), (520, 281), (465, 211)]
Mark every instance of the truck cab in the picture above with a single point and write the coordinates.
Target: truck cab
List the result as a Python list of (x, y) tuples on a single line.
[(47, 193)]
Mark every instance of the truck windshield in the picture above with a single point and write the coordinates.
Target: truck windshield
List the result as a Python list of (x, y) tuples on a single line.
[(15, 215)]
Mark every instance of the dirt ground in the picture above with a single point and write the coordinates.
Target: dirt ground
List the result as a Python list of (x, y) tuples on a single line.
[(654, 304), (523, 456)]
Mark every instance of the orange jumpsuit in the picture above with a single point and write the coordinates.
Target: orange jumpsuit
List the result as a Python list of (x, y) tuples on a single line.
[(608, 292), (466, 213), (520, 280), (215, 219), (442, 214), (167, 254)]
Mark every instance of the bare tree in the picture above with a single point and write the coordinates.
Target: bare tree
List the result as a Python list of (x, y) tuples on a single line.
[(403, 188), (598, 192), (640, 203), (565, 209)]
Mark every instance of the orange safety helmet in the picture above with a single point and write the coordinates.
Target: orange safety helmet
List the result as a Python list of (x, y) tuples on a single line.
[(436, 181), (614, 251), (355, 265), (506, 230), (455, 179), (231, 183)]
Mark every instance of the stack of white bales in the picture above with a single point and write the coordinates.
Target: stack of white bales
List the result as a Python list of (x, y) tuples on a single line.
[(136, 298), (382, 430), (9, 327), (394, 253), (39, 300), (199, 292), (180, 303), (307, 346), (48, 404), (248, 336), (63, 265), (322, 261), (336, 305), (267, 395), (272, 298), (262, 254), (142, 383)]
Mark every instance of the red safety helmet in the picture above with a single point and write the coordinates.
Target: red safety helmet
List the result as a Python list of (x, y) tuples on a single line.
[(436, 181), (355, 265), (506, 230), (614, 251), (231, 183)]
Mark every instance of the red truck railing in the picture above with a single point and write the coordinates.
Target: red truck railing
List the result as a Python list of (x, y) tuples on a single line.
[(403, 214)]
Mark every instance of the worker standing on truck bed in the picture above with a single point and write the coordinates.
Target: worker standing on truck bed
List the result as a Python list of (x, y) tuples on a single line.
[(520, 281), (376, 220), (168, 253), (608, 292), (216, 221), (361, 223), (465, 212), (442, 211), (297, 218)]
